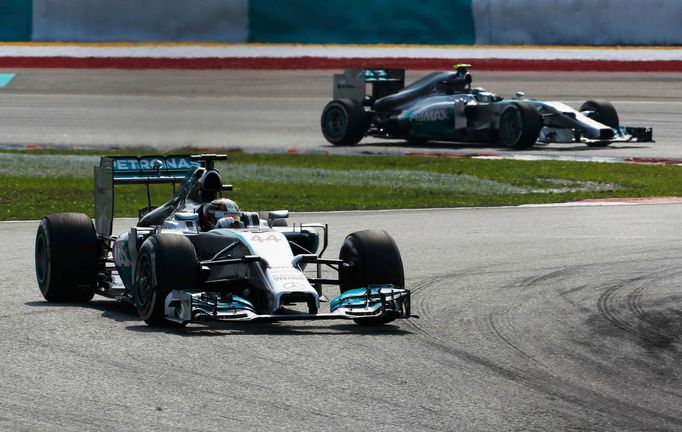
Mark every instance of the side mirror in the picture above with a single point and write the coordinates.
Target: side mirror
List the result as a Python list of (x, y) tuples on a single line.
[(277, 218), (278, 214)]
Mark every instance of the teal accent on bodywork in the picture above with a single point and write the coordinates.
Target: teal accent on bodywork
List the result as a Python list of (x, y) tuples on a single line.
[(237, 304), (357, 298), (5, 79), (376, 75), (123, 262), (186, 216), (16, 20), (431, 123), (378, 21)]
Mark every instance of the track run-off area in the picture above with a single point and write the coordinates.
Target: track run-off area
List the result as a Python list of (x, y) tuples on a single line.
[(530, 318)]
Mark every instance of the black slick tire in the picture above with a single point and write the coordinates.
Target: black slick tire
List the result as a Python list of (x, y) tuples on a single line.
[(66, 258), (370, 257), (520, 126), (344, 122), (166, 262), (603, 112)]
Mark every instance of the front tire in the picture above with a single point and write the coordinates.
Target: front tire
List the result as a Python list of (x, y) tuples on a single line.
[(344, 122), (603, 112), (370, 257), (66, 258), (166, 262), (520, 126)]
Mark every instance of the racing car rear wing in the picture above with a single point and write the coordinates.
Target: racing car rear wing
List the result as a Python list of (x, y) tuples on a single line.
[(352, 83), (128, 170)]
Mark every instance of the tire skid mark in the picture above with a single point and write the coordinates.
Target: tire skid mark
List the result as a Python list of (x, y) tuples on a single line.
[(606, 307), (536, 280), (419, 305), (640, 323), (494, 320), (542, 381), (552, 386), (651, 330)]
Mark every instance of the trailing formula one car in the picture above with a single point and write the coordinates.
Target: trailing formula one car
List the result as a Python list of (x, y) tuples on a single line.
[(198, 257), (442, 106)]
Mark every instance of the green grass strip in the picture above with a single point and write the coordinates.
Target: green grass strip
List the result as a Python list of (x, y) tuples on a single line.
[(38, 183)]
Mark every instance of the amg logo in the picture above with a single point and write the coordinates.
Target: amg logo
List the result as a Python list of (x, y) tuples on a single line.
[(429, 116)]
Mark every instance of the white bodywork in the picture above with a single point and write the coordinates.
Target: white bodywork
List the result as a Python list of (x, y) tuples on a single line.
[(277, 271)]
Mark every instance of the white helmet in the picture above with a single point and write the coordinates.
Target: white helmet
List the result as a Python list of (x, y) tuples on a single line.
[(221, 213)]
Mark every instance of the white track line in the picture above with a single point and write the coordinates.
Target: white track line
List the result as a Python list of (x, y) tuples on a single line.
[(337, 51)]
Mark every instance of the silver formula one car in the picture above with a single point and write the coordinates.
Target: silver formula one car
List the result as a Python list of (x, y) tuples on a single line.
[(442, 106), (198, 257)]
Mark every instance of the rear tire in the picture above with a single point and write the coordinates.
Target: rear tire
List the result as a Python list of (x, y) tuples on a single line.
[(66, 258), (520, 126), (344, 122), (166, 262), (370, 257)]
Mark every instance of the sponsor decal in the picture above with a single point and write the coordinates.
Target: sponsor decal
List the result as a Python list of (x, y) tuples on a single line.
[(288, 275), (135, 164), (262, 239), (430, 116)]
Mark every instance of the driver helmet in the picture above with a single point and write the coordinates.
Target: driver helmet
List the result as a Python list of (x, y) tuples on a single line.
[(221, 213)]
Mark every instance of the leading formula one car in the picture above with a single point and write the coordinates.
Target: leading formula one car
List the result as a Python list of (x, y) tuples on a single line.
[(198, 257), (442, 106)]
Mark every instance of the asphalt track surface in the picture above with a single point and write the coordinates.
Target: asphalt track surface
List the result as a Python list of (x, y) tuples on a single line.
[(549, 318), (280, 110), (532, 319)]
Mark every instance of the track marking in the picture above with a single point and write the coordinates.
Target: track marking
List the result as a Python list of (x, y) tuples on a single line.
[(6, 78)]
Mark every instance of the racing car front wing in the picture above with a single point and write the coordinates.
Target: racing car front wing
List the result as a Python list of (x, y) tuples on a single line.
[(622, 134), (370, 303)]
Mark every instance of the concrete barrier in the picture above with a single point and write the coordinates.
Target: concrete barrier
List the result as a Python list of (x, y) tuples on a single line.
[(578, 22), (431, 22), (140, 20)]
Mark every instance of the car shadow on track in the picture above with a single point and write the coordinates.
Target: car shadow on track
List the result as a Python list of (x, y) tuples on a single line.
[(485, 147), (117, 311), (583, 147), (274, 329), (125, 313)]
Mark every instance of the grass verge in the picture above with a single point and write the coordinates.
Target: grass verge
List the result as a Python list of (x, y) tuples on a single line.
[(38, 183)]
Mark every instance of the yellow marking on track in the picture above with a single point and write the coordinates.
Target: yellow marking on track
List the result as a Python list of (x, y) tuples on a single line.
[(368, 46)]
